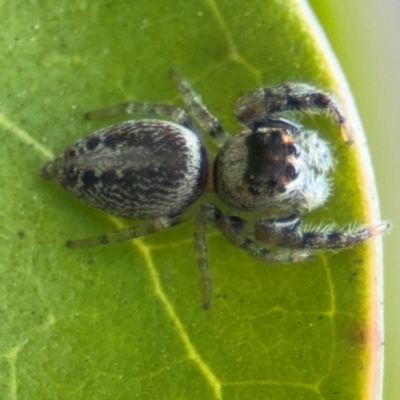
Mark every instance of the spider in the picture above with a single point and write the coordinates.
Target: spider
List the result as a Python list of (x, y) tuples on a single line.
[(153, 169)]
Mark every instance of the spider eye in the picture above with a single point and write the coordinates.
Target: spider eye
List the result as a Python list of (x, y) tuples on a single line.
[(292, 150), (291, 172)]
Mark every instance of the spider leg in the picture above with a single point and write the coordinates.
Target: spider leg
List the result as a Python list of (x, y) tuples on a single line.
[(232, 228), (264, 103), (286, 235), (275, 122), (193, 102), (206, 213), (162, 110), (151, 226)]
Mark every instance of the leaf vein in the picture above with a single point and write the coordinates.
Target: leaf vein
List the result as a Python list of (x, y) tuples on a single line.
[(24, 136), (189, 346)]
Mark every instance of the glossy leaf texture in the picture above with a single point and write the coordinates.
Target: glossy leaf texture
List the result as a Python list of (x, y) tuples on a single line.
[(125, 321)]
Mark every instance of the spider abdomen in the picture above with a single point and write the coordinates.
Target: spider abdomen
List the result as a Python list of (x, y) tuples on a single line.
[(135, 169)]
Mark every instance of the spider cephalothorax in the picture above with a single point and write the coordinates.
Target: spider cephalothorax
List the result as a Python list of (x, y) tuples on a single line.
[(154, 169), (273, 168)]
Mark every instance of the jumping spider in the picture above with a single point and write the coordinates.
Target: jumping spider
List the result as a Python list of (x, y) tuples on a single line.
[(154, 169)]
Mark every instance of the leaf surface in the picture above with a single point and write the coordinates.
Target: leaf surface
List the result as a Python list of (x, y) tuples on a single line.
[(125, 321)]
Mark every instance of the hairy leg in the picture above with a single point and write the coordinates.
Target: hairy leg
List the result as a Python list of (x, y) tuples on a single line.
[(193, 102), (266, 104), (161, 110), (146, 228), (233, 229), (285, 235)]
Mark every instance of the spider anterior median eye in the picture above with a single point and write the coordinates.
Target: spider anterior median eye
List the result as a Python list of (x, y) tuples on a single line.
[(291, 172), (291, 149)]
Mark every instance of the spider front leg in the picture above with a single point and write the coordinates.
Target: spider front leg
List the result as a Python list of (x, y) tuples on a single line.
[(263, 106), (279, 233), (151, 226), (233, 229)]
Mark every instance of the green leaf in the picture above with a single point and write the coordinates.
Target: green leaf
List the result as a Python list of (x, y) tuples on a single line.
[(125, 321)]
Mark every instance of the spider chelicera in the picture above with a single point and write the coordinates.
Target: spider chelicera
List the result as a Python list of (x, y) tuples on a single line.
[(154, 169)]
